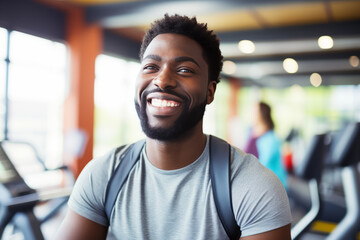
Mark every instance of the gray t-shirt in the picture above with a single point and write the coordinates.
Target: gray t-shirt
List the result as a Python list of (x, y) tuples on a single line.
[(178, 204)]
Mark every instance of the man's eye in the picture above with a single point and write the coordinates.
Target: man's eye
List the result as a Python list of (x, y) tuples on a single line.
[(149, 68), (185, 70)]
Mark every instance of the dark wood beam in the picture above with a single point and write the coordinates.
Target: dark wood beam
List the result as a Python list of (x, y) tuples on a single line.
[(346, 28)]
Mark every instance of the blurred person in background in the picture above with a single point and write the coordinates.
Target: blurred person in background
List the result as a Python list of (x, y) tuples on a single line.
[(263, 142)]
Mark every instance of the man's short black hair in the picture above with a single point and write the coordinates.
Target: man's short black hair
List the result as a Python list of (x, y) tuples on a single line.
[(189, 27)]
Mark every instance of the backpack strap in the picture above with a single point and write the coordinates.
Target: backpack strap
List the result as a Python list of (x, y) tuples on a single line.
[(120, 175), (219, 173), (220, 178)]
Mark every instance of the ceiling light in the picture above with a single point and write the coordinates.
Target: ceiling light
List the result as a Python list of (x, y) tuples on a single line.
[(354, 61), (229, 67), (325, 42), (315, 79), (290, 65), (246, 46)]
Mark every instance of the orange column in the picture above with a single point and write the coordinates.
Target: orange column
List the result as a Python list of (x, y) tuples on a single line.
[(233, 100), (233, 105), (85, 44)]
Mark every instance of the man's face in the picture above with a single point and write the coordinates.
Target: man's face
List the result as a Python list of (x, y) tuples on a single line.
[(172, 87)]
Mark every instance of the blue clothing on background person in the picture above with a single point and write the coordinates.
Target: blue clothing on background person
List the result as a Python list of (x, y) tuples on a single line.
[(267, 148)]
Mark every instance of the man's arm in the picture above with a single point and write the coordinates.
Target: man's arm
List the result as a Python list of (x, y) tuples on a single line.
[(283, 233), (76, 227)]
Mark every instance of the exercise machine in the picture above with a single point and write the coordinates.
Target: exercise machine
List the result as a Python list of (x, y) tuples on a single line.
[(345, 154), (310, 170), (18, 200), (339, 207)]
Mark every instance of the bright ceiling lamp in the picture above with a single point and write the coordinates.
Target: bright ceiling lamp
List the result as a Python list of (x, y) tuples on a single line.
[(354, 61), (246, 46), (290, 65), (229, 67), (315, 79), (325, 42)]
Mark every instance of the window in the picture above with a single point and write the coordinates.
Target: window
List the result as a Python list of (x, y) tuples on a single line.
[(3, 52), (116, 120), (36, 92)]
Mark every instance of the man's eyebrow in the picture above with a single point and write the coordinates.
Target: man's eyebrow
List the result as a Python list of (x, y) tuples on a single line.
[(185, 59), (153, 56)]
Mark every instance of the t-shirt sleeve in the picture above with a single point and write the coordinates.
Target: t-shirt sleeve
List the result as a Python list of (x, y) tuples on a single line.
[(260, 201), (88, 195)]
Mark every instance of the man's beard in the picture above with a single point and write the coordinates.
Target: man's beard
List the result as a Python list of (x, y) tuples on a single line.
[(186, 121)]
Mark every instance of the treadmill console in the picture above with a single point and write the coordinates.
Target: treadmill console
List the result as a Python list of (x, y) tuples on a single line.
[(10, 178)]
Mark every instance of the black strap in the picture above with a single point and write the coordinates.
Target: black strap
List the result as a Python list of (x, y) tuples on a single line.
[(120, 175), (219, 173), (220, 176)]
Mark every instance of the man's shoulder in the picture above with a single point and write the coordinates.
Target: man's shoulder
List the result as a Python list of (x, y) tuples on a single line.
[(241, 159), (246, 168), (117, 152), (108, 160), (256, 188)]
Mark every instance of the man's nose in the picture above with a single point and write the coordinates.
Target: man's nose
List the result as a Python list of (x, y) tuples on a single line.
[(165, 79)]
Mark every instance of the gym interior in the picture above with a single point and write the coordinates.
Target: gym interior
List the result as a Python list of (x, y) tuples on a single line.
[(67, 71)]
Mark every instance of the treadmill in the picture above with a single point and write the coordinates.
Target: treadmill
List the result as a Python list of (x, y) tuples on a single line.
[(17, 200)]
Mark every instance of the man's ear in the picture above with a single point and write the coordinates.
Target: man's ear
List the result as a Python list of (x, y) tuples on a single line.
[(211, 91)]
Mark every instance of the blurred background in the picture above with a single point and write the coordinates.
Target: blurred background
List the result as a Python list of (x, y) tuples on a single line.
[(67, 70)]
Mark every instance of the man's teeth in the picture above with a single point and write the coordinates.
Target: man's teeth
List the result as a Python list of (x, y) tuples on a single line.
[(163, 103)]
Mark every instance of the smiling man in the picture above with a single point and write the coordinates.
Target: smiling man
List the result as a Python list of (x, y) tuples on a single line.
[(172, 87), (168, 192)]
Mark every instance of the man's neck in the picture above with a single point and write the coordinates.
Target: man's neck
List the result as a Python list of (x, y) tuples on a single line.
[(175, 154)]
